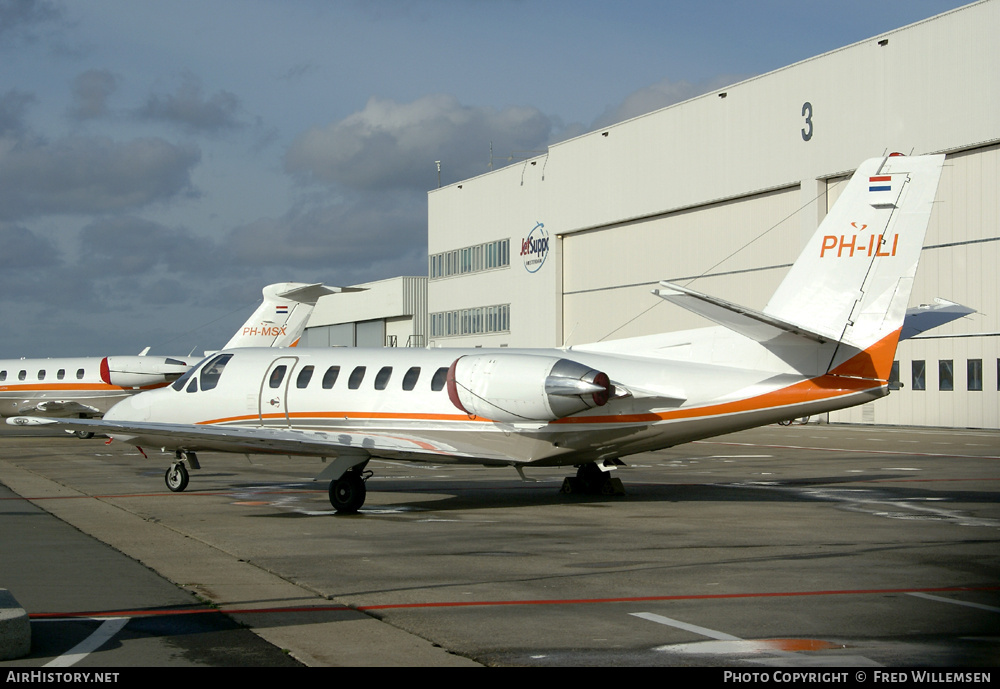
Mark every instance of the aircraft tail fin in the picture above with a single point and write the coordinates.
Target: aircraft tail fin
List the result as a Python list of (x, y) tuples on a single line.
[(852, 281), (281, 317)]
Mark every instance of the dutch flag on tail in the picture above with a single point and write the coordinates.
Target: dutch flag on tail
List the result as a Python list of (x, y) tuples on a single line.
[(880, 183), (883, 191)]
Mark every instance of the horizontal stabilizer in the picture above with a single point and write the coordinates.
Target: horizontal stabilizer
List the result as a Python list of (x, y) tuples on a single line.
[(745, 321), (922, 318), (310, 294)]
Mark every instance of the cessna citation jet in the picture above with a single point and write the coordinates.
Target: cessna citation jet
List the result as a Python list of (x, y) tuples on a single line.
[(88, 386), (825, 341)]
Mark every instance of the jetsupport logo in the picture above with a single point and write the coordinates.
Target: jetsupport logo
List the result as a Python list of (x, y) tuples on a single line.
[(535, 248)]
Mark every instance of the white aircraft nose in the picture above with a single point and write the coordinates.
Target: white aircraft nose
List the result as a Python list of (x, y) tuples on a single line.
[(134, 408)]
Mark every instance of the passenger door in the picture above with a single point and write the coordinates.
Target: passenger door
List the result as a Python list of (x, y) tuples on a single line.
[(272, 409)]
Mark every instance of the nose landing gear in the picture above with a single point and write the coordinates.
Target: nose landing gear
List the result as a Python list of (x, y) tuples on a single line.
[(177, 475)]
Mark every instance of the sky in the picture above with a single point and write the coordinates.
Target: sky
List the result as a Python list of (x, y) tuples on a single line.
[(160, 162)]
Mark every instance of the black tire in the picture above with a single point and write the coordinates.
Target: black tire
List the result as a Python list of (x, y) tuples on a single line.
[(176, 477), (348, 493), (83, 435)]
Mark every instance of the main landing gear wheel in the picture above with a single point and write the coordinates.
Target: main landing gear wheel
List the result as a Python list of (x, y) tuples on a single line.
[(590, 480), (176, 477), (347, 493), (83, 435)]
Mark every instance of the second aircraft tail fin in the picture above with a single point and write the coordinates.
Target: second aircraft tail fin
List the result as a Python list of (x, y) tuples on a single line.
[(281, 317)]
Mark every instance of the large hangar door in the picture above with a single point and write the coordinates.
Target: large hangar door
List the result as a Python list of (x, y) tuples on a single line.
[(609, 272)]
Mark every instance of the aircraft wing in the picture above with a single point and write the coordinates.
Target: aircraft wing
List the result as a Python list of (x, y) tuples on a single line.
[(194, 437), (60, 408)]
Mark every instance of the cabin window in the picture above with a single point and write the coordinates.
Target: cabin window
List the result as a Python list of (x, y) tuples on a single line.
[(61, 373), (3, 375), (277, 375), (193, 385), (330, 377), (410, 379), (21, 375), (357, 375), (305, 375), (211, 371), (382, 379), (439, 379), (79, 374), (41, 375)]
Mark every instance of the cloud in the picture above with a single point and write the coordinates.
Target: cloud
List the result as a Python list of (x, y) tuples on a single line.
[(90, 175), (357, 238), (24, 250), (129, 246), (660, 95), (19, 17), (91, 90), (390, 145), (13, 105), (188, 109)]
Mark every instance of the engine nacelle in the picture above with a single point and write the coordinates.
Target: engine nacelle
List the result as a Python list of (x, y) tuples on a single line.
[(141, 371), (520, 387)]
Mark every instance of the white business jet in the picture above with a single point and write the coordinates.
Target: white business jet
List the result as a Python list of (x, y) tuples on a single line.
[(825, 341), (87, 387)]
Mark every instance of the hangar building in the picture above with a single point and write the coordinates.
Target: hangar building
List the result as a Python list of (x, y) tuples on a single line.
[(720, 193)]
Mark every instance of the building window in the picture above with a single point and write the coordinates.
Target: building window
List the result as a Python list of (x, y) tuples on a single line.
[(946, 375), (919, 375), (470, 259), (481, 320), (894, 383), (974, 369)]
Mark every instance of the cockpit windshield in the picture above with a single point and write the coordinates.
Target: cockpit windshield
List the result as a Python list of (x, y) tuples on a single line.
[(211, 370)]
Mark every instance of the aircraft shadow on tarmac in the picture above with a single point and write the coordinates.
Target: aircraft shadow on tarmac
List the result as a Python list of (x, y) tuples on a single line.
[(486, 495)]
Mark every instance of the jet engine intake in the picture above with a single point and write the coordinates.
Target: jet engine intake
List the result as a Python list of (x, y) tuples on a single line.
[(141, 371), (516, 388)]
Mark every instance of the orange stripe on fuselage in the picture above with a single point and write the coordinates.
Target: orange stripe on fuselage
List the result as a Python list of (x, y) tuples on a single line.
[(868, 370), (349, 415), (874, 362), (823, 387), (102, 387)]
